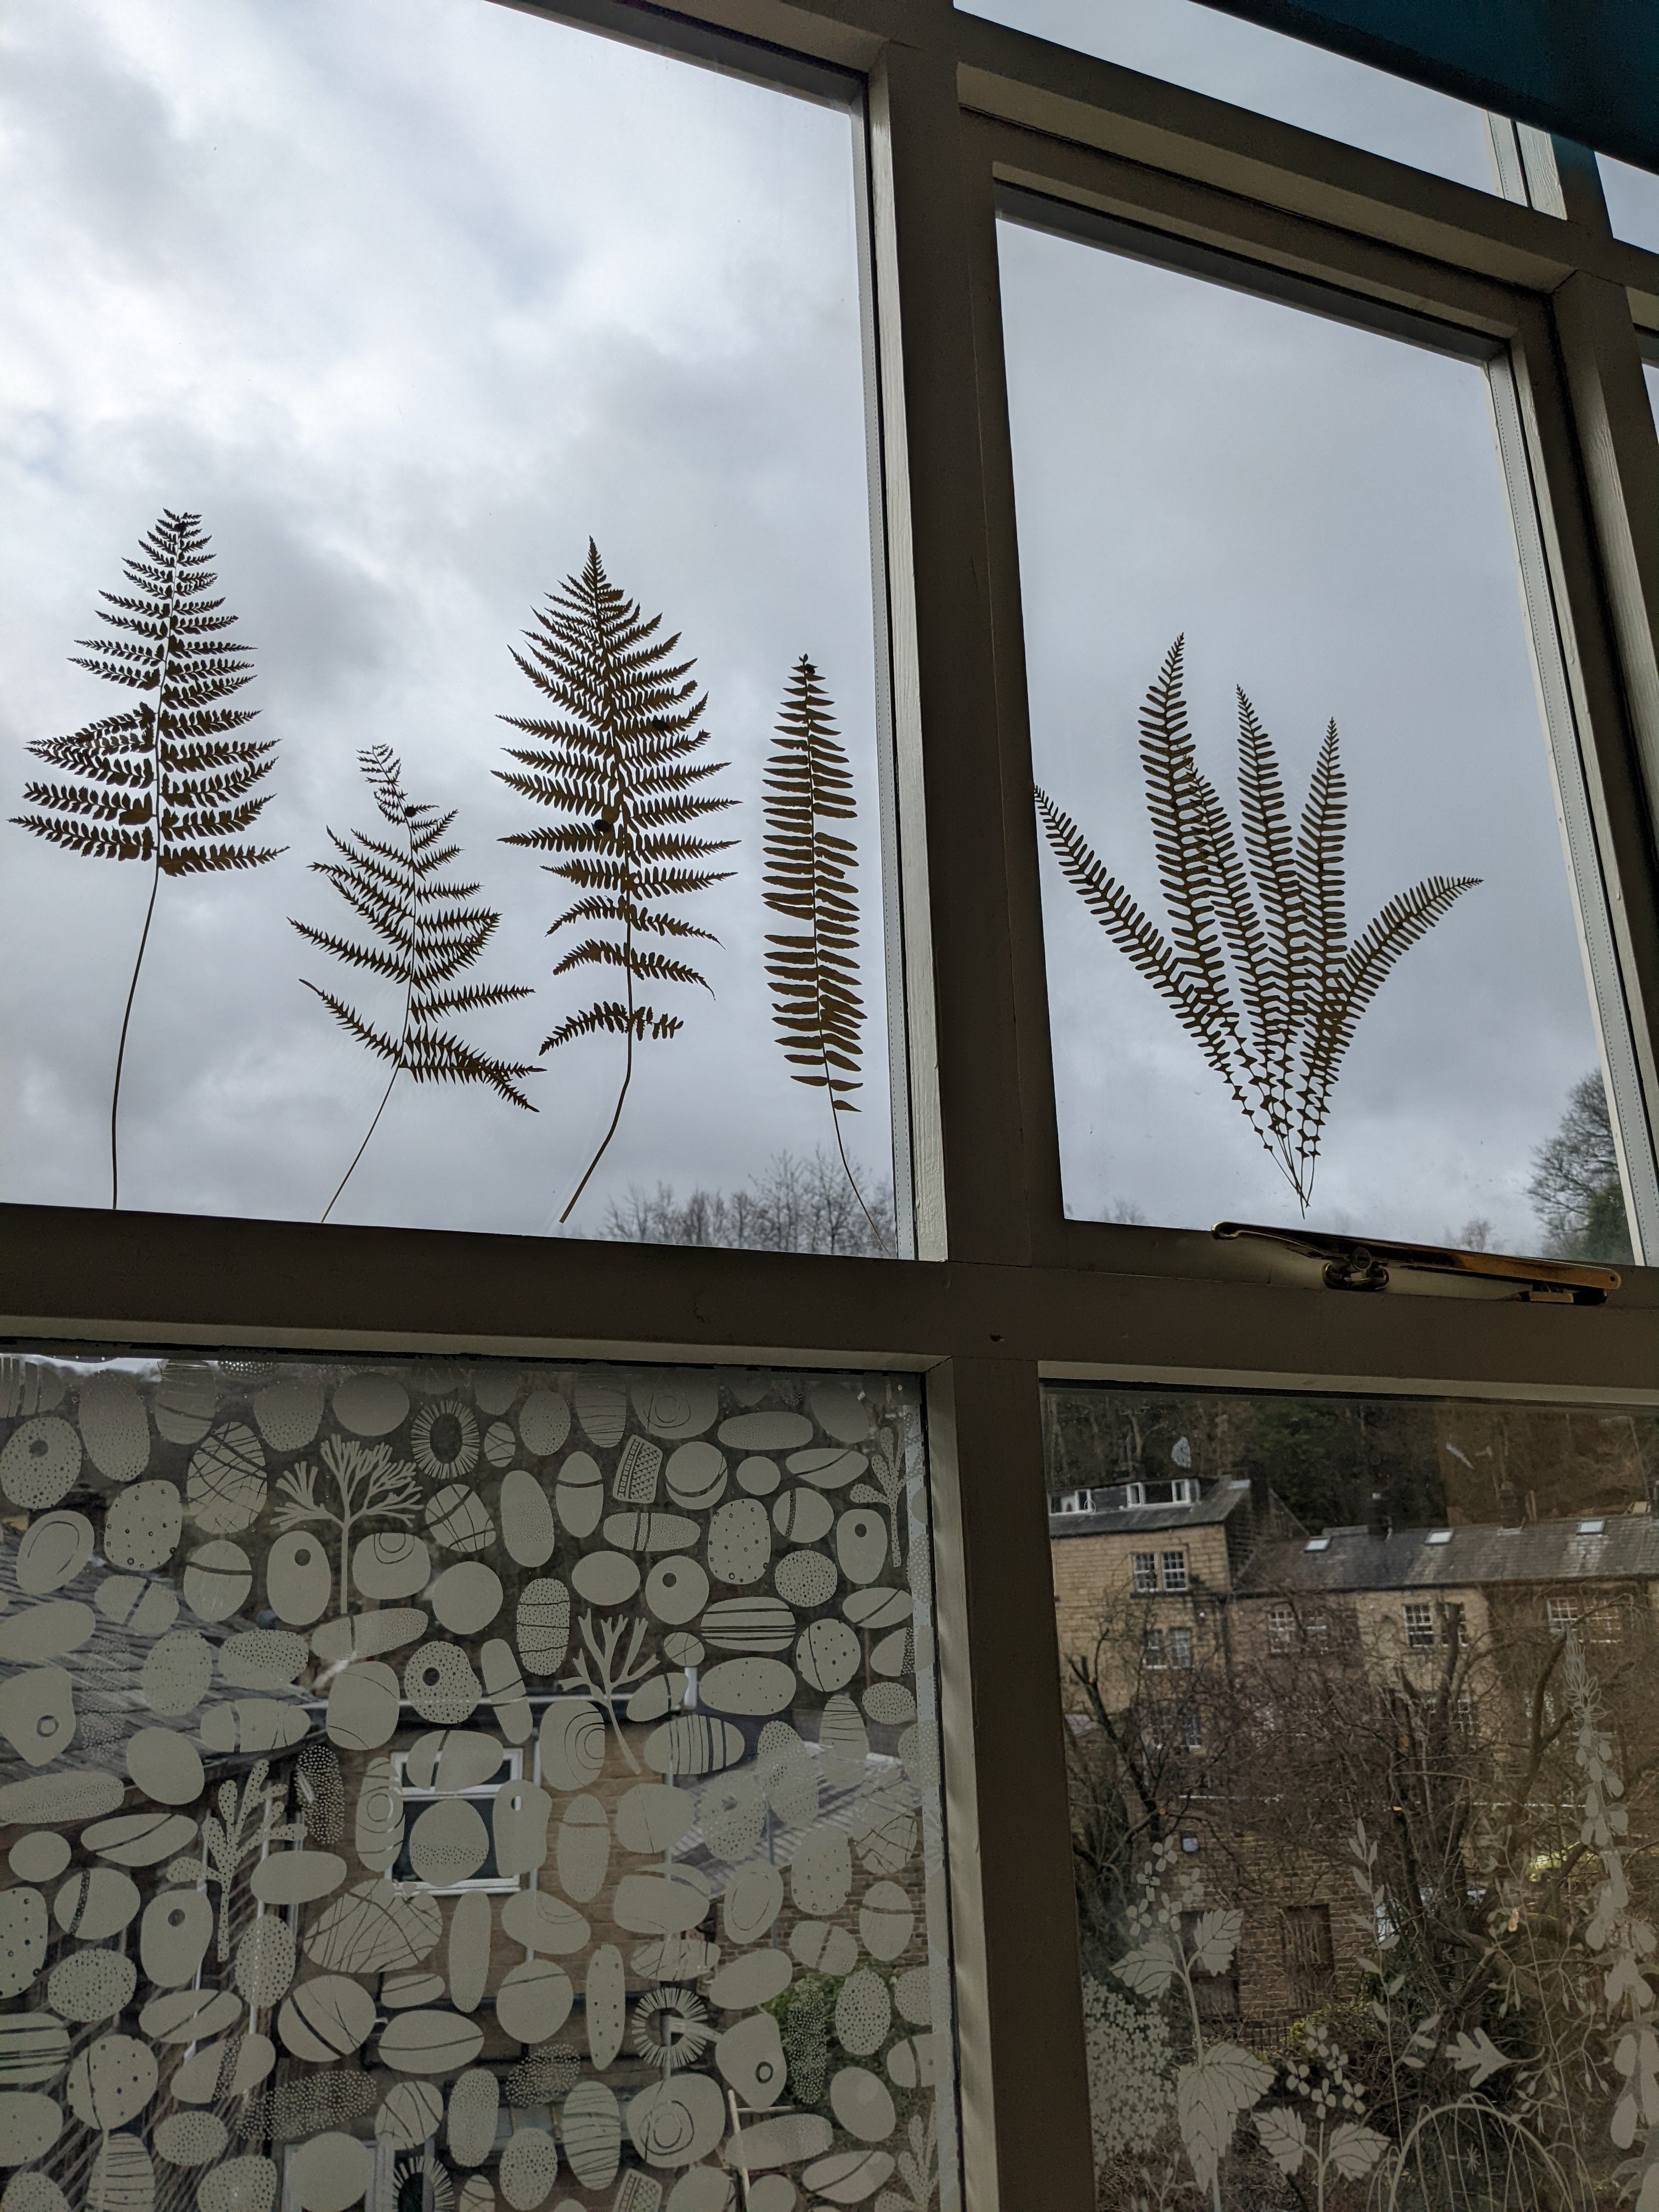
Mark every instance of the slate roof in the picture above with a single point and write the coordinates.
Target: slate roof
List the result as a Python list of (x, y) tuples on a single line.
[(1619, 1546), (1218, 1504)]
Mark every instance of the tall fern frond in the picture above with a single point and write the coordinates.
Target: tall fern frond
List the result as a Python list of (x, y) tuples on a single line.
[(426, 932), (617, 767), (1256, 966), (166, 783), (810, 879)]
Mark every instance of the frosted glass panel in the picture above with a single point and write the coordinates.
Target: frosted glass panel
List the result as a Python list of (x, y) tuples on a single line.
[(416, 336), (432, 1784), (1207, 51), (1311, 951), (1359, 1715)]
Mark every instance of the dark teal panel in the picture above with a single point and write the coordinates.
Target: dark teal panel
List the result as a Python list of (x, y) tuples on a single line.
[(1586, 69)]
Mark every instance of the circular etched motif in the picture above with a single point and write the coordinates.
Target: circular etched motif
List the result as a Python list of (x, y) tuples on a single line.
[(411, 2112), (53, 1550), (676, 1589), (111, 2082), (466, 1597), (827, 1655), (92, 1985), (240, 2185), (226, 1486), (42, 1462), (391, 1563), (191, 2138), (30, 2122), (165, 1765), (805, 1579), (41, 1856), (326, 2018), (440, 1684), (218, 1579), (529, 2168), (370, 1405), (141, 1528), (448, 1844), (329, 2172)]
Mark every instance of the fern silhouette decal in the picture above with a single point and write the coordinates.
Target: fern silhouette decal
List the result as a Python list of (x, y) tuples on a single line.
[(810, 878), (166, 783), (1257, 966), (427, 930), (617, 766)]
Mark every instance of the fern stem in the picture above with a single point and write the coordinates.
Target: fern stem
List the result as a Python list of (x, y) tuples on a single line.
[(121, 1050), (363, 1147), (627, 1076), (397, 1070), (875, 1230)]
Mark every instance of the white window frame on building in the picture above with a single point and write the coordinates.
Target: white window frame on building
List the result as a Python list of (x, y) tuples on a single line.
[(1418, 1618), (955, 120), (1172, 1570)]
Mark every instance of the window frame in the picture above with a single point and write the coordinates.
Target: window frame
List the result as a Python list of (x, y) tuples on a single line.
[(949, 114)]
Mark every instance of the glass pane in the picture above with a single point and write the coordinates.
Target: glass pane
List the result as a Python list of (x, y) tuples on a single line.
[(408, 301), (1317, 512), (1252, 67), (432, 1783), (1364, 1830), (1633, 202)]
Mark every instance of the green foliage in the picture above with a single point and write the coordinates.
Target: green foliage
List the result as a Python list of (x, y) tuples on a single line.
[(1257, 964), (804, 2013), (617, 768)]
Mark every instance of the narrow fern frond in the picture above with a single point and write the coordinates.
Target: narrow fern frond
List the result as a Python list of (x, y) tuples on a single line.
[(427, 930), (619, 766)]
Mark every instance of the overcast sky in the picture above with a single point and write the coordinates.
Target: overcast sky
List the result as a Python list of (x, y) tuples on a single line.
[(407, 298)]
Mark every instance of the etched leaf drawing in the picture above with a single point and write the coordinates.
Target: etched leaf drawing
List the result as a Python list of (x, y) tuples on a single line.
[(619, 766), (811, 879), (167, 782), (427, 931), (1221, 2083), (1257, 964), (1284, 2133)]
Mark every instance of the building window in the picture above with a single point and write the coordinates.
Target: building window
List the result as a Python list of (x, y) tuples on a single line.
[(1309, 1961), (1561, 1613), (1419, 1627), (418, 1777), (1181, 1647), (1135, 1494), (1153, 1649), (1146, 1566), (1185, 1491), (1071, 1501), (1174, 1564), (1281, 1627), (1192, 1730)]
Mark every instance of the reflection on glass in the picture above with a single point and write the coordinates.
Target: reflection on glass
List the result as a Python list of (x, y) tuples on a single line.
[(431, 1784), (1196, 47), (382, 380), (1360, 1734), (1633, 197), (1311, 951)]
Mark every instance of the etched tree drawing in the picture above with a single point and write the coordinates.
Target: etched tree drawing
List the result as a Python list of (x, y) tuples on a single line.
[(369, 1484)]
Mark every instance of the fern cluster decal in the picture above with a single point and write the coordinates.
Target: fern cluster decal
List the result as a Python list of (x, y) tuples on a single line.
[(617, 766), (1257, 965), (427, 932), (811, 872), (167, 782)]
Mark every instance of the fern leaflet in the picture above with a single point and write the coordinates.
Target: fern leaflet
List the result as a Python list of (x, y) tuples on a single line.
[(427, 931), (810, 878), (617, 767), (167, 782), (1257, 965)]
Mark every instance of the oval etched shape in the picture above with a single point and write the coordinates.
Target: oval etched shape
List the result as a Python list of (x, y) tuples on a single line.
[(827, 1656), (165, 1765), (839, 1413), (803, 1516), (579, 1494), (330, 2172), (759, 1477), (750, 1687), (287, 1412), (753, 1979), (140, 1839), (466, 1597), (806, 1579), (185, 1400), (370, 1404), (887, 1920), (590, 2125), (372, 1929), (174, 1936), (519, 1816), (23, 1936), (543, 1625), (827, 1467), (766, 1432), (253, 1725), (784, 2140), (753, 1900), (266, 1956), (504, 1686), (363, 1702), (676, 1402), (190, 2015), (54, 1550), (750, 2057), (533, 2000), (92, 1985), (440, 1683), (606, 1577), (601, 1408), (573, 1743), (176, 1673), (540, 1921), (676, 1590), (378, 1835), (37, 1713), (864, 2012), (111, 2082), (392, 1563), (652, 1816), (474, 2102), (849, 2176), (584, 1849), (529, 2168), (217, 1578), (326, 2018), (191, 2138), (459, 1519), (114, 1426), (142, 1607), (448, 1844), (605, 2005), (225, 1486), (748, 1624), (30, 2124), (429, 2043), (862, 1543), (679, 2120), (299, 1578), (500, 1445), (528, 1528), (693, 1744), (261, 1658), (40, 1856), (696, 1477), (240, 2185), (821, 1875), (468, 1955), (297, 1877), (650, 1532), (739, 1541), (46, 1631), (544, 1425), (142, 1527)]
